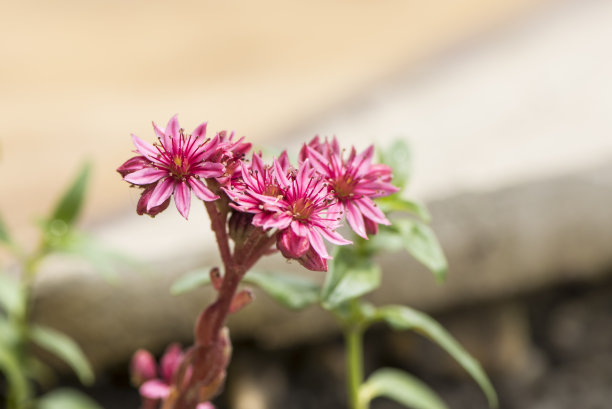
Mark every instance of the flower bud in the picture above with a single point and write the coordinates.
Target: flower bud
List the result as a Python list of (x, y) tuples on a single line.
[(313, 261), (291, 245), (142, 367)]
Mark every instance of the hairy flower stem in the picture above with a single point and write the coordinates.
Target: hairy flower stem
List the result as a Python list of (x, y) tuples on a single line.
[(212, 320), (353, 335)]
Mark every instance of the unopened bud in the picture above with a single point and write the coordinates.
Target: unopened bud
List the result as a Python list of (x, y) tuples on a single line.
[(142, 367), (291, 245), (313, 261)]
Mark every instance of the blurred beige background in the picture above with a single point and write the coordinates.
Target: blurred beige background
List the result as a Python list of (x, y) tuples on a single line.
[(76, 78)]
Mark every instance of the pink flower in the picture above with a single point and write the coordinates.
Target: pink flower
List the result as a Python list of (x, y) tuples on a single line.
[(259, 180), (230, 154), (298, 204), (175, 165), (354, 182)]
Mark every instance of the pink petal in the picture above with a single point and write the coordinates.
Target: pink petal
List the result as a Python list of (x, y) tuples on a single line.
[(162, 191), (182, 198), (165, 139), (209, 170), (371, 211), (355, 219), (200, 131), (281, 174), (145, 148), (172, 129), (205, 405), (201, 191), (333, 237), (154, 389), (145, 176), (317, 244)]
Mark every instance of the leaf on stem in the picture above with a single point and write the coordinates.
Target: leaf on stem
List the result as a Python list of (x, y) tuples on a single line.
[(65, 348), (70, 204), (401, 387), (66, 398), (291, 291), (421, 242), (350, 275), (405, 318), (398, 156), (396, 203)]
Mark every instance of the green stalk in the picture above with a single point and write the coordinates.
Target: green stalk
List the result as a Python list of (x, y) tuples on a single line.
[(353, 336)]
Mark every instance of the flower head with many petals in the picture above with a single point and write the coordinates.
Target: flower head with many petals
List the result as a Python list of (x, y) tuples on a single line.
[(354, 182), (175, 165), (298, 204), (155, 383)]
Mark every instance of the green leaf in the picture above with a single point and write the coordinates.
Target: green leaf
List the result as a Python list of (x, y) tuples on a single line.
[(191, 281), (350, 276), (404, 318), (401, 387), (291, 291), (399, 157), (69, 206), (65, 348), (421, 242), (396, 203), (4, 233), (15, 375), (66, 399), (11, 295)]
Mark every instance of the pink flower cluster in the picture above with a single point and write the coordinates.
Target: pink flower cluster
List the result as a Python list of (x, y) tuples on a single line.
[(155, 382), (304, 205)]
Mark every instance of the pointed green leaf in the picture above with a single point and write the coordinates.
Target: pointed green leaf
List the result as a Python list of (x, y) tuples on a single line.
[(191, 281), (396, 203), (405, 318), (291, 291), (65, 348), (399, 157), (350, 275), (66, 398), (69, 206), (11, 295), (401, 387), (15, 375), (421, 242)]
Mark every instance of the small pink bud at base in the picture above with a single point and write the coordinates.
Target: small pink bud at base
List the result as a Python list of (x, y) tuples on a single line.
[(313, 261), (291, 245), (241, 300), (142, 367), (371, 226)]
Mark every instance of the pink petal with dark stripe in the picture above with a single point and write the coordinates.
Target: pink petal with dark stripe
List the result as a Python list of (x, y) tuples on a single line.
[(182, 198), (145, 176), (162, 191), (201, 191)]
